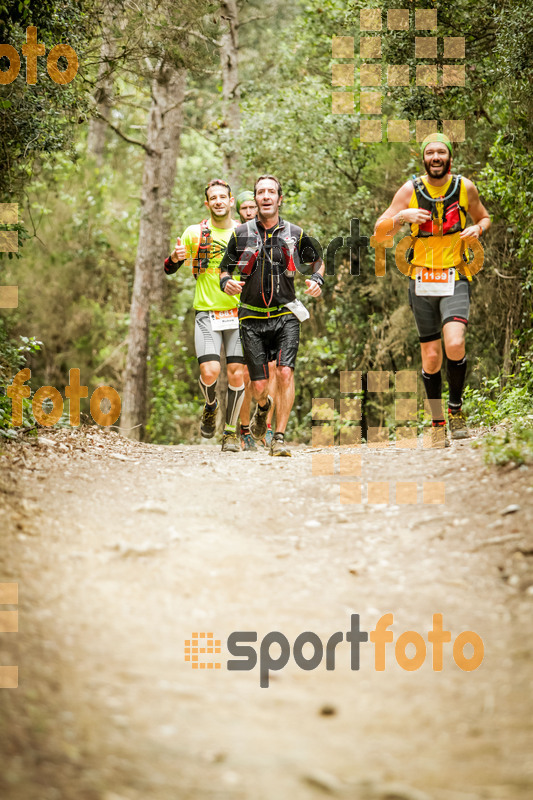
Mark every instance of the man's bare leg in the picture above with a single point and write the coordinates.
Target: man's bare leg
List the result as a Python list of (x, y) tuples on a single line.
[(431, 377), (284, 396), (247, 441), (456, 366), (209, 372), (245, 408), (272, 389), (231, 440)]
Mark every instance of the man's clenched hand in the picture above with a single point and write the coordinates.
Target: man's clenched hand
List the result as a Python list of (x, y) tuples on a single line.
[(313, 288), (233, 287)]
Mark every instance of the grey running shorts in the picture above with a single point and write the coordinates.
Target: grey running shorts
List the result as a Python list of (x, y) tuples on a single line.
[(431, 313), (208, 343)]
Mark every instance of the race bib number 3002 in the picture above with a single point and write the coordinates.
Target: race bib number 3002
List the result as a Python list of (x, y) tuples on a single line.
[(435, 282), (224, 320)]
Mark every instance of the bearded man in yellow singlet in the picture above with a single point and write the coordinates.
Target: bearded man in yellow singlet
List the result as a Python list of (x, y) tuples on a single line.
[(435, 206)]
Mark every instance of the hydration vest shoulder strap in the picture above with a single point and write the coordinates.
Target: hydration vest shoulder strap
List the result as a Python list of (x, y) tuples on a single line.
[(204, 247), (252, 248), (420, 188)]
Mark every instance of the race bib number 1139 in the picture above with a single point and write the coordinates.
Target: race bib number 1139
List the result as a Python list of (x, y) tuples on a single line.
[(435, 282)]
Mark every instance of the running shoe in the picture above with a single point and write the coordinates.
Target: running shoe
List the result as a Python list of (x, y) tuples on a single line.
[(258, 423), (247, 442), (267, 441), (457, 424), (437, 437), (230, 442), (208, 422), (279, 448)]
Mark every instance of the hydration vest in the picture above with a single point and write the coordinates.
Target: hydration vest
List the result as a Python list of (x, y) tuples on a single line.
[(204, 248), (447, 215), (255, 244)]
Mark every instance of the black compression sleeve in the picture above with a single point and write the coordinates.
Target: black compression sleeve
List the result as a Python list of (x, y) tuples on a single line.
[(172, 266)]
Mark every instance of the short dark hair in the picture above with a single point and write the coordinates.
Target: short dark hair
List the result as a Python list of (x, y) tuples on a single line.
[(271, 178), (217, 182)]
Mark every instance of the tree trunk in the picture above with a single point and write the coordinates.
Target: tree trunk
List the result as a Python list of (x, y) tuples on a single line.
[(162, 142), (229, 62), (171, 98), (103, 96), (514, 304)]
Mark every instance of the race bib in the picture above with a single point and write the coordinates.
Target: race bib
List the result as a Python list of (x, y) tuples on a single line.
[(435, 282), (224, 320)]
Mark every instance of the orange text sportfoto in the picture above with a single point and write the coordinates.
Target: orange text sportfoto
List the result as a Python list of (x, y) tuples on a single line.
[(74, 392), (380, 637), (31, 50)]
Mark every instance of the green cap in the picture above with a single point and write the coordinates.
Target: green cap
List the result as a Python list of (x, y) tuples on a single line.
[(436, 137), (243, 197)]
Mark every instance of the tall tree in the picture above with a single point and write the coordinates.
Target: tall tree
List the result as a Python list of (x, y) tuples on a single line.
[(170, 50), (163, 135), (229, 62), (103, 94)]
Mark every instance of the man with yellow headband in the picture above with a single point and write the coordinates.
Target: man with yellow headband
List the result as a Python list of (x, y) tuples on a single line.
[(435, 206)]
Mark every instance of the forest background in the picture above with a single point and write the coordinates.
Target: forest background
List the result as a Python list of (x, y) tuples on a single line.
[(110, 168)]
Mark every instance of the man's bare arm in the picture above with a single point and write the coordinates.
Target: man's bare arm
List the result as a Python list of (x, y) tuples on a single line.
[(477, 211), (314, 287), (399, 211)]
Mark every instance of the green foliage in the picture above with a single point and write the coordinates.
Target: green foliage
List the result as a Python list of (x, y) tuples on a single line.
[(509, 410), (13, 357), (39, 119), (77, 275), (513, 444), (174, 409), (489, 404), (35, 121)]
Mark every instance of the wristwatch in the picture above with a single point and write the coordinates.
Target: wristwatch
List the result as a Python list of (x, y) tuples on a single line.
[(401, 220)]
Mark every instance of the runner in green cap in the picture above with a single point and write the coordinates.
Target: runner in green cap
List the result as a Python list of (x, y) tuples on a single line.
[(246, 207), (436, 137), (435, 205)]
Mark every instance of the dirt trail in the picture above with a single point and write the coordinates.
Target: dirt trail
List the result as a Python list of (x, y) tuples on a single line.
[(123, 550)]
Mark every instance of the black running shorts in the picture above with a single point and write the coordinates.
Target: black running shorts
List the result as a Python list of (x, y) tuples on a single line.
[(263, 340), (431, 313)]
